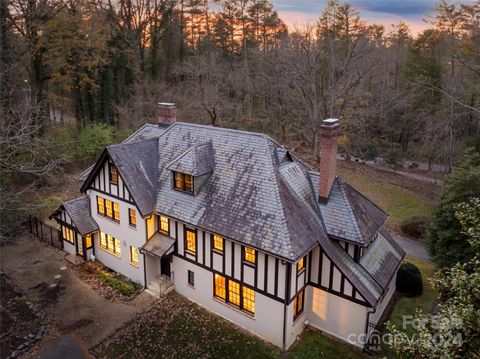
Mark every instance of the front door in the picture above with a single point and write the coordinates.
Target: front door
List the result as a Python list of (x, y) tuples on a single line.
[(165, 265)]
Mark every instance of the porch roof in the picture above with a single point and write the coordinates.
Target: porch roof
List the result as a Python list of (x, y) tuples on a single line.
[(158, 245)]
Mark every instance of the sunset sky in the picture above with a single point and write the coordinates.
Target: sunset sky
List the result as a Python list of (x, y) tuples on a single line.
[(385, 12)]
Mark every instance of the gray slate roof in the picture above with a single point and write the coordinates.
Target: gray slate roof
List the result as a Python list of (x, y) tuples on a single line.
[(79, 211), (382, 258), (146, 132), (137, 164), (196, 161), (348, 214)]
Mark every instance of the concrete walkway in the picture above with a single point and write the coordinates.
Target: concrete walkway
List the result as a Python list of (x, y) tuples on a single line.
[(70, 305), (412, 248)]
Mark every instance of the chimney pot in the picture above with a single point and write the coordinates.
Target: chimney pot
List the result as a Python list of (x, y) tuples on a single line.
[(329, 132), (166, 113)]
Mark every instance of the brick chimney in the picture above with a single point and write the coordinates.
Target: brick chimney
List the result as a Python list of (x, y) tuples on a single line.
[(329, 132), (166, 113)]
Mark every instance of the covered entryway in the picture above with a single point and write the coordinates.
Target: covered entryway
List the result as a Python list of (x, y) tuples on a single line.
[(158, 257)]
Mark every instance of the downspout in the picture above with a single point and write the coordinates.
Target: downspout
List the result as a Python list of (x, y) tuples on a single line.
[(365, 349), (287, 296), (144, 270)]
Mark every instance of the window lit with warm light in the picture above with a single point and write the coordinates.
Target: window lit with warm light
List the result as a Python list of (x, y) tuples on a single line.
[(132, 217), (218, 243), (108, 208), (183, 182), (249, 255), (301, 265), (234, 293), (298, 304), (68, 234), (164, 224), (220, 287), (248, 299), (113, 174), (191, 240), (116, 211), (134, 256), (110, 244), (88, 241), (100, 205)]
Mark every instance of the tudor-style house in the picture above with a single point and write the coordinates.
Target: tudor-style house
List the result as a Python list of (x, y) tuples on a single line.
[(236, 223)]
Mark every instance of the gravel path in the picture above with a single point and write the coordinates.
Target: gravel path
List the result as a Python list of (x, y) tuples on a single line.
[(412, 248)]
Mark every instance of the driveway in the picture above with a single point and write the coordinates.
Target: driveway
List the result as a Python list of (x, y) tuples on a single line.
[(71, 306), (412, 248)]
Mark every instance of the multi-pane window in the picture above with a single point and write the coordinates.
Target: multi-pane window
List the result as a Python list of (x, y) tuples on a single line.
[(110, 244), (164, 224), (190, 240), (132, 217), (113, 174), (249, 255), (248, 299), (134, 256), (218, 244), (298, 304), (191, 278), (68, 234), (183, 182), (108, 208), (220, 287), (301, 265), (234, 293), (88, 241)]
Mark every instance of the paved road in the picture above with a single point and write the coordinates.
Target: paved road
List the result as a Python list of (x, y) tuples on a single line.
[(411, 247)]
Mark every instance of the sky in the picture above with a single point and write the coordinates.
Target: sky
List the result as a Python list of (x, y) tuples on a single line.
[(384, 12)]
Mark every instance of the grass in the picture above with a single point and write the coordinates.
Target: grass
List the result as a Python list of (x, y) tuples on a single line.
[(398, 202), (177, 328), (316, 345), (425, 302)]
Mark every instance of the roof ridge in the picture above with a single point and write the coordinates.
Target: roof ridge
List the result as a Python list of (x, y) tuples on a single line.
[(225, 129), (342, 191)]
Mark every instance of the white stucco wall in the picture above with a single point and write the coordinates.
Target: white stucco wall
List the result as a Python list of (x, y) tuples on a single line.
[(69, 247), (334, 315), (128, 236), (267, 322)]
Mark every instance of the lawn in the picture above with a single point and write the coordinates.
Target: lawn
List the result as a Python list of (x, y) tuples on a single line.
[(316, 345), (425, 302), (396, 201), (178, 328)]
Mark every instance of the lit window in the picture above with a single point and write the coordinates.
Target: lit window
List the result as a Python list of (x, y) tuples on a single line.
[(249, 255), (110, 244), (248, 299), (108, 206), (113, 174), (220, 289), (116, 211), (191, 278), (164, 225), (218, 243), (132, 215), (103, 240), (301, 265), (298, 304), (67, 234), (100, 205), (191, 240), (234, 292), (134, 256), (183, 182), (88, 241)]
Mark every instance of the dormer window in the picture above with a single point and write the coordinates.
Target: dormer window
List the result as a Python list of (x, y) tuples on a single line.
[(183, 182), (113, 174)]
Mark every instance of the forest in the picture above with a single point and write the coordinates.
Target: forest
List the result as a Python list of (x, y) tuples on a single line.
[(79, 74)]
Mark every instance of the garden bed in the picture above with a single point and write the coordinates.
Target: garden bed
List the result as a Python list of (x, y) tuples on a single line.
[(109, 284)]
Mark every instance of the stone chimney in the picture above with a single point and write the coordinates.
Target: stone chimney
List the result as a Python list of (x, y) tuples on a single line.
[(329, 132), (166, 113)]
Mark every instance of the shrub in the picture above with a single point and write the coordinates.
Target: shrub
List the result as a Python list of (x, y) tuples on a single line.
[(409, 280), (92, 139), (127, 288), (415, 226)]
